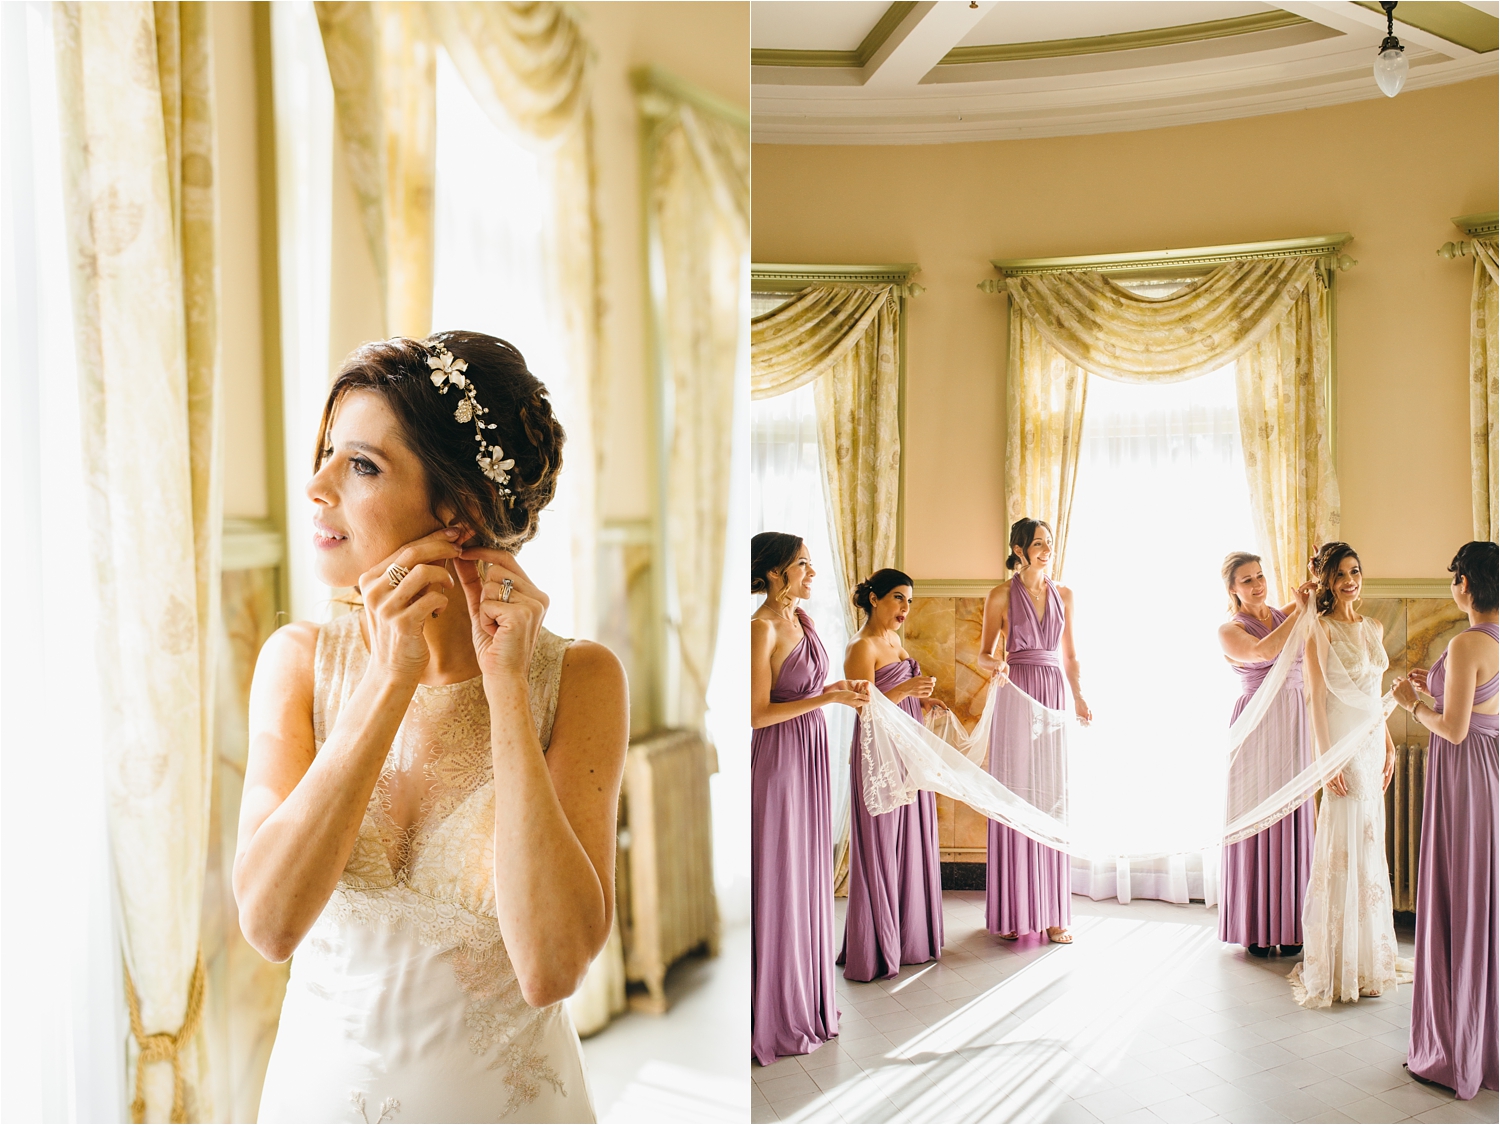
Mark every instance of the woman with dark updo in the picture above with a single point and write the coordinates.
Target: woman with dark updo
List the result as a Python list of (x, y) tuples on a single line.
[(428, 820), (1455, 1004), (1028, 639), (895, 914), (793, 1007)]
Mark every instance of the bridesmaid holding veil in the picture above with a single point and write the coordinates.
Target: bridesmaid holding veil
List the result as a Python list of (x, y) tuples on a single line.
[(1455, 1030), (793, 1009), (1028, 886), (1265, 877), (895, 914)]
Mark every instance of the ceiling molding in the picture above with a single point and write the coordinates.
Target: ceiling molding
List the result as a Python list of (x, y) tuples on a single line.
[(1122, 41), (857, 58), (1464, 24), (1352, 18), (1195, 257), (920, 41)]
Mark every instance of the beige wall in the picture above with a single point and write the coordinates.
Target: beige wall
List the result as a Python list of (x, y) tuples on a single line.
[(1392, 172)]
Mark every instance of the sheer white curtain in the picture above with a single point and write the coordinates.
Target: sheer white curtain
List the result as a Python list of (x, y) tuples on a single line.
[(728, 716), (1161, 498), (303, 97), (788, 495), (491, 273), (63, 1031)]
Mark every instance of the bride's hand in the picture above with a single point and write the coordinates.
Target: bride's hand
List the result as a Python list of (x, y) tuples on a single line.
[(1386, 771), (1338, 786), (505, 630), (396, 617)]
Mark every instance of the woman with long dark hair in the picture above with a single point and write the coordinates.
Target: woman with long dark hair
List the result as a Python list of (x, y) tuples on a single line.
[(1349, 934), (793, 1008), (1028, 886), (429, 808), (1263, 878), (1455, 1006), (895, 913)]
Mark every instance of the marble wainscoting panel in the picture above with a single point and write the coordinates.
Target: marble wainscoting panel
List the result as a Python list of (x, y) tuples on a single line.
[(929, 637), (1391, 613), (244, 991), (943, 635)]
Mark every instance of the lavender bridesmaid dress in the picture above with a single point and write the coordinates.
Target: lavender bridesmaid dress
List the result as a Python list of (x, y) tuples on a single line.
[(1028, 886), (1454, 1024), (792, 1004), (1264, 877), (895, 914)]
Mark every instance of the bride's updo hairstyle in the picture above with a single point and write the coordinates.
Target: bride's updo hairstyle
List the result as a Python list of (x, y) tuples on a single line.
[(514, 400), (1479, 562), (1022, 532), (877, 586), (1232, 562), (1325, 565), (771, 552)]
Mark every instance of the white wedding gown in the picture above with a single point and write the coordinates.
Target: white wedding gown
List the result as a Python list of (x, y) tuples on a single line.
[(1349, 935), (402, 1004)]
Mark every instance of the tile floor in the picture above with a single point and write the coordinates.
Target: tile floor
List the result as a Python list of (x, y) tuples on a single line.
[(689, 1064), (1147, 1017)]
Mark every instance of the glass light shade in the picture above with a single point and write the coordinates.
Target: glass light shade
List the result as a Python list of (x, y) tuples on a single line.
[(1390, 71)]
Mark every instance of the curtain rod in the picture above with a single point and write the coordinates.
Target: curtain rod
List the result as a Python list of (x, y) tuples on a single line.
[(781, 277), (1327, 245), (648, 79)]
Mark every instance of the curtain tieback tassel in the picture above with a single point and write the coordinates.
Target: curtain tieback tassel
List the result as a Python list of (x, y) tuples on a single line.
[(164, 1046)]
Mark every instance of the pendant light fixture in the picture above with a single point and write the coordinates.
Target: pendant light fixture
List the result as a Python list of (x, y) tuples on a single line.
[(1390, 63)]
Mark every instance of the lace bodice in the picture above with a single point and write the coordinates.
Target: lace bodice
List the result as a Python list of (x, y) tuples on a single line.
[(437, 875)]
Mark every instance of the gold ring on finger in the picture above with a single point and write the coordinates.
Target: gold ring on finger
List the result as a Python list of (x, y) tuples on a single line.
[(394, 574), (506, 586)]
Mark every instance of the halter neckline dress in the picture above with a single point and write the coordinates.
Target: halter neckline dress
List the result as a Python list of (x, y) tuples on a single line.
[(793, 1001)]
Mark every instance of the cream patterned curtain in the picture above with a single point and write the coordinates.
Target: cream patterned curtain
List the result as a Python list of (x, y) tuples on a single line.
[(698, 226), (1269, 313), (844, 337), (383, 65), (1484, 407), (134, 83)]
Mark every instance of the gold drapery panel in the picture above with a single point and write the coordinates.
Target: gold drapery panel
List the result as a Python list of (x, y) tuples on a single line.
[(1484, 404), (1269, 314), (845, 338), (383, 65), (698, 201), (1294, 494), (135, 95)]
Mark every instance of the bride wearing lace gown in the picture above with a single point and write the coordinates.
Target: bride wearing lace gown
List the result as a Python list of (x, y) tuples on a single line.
[(428, 820), (1349, 935)]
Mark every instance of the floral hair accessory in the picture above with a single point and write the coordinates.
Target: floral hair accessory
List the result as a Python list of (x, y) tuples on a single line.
[(448, 371)]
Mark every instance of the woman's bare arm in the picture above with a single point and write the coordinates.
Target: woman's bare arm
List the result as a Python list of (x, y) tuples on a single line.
[(555, 820), (301, 810), (1464, 654), (1243, 648), (764, 713), (996, 610), (1072, 666)]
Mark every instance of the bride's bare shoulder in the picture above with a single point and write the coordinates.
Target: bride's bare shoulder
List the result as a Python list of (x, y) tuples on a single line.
[(291, 648)]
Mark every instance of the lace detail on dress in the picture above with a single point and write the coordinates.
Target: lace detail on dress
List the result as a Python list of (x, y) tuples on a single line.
[(436, 877), (1349, 937)]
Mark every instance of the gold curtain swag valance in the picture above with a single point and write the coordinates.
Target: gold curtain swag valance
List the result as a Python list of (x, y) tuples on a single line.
[(1109, 331), (792, 345)]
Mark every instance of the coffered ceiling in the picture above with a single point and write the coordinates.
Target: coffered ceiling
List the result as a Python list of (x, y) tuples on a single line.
[(872, 72)]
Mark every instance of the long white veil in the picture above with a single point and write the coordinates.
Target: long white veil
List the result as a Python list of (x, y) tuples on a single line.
[(1257, 773)]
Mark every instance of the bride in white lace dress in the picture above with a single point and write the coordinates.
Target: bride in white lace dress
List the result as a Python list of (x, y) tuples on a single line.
[(428, 820), (1349, 943)]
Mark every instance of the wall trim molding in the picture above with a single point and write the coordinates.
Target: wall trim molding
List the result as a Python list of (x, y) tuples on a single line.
[(856, 59), (1374, 587), (251, 544), (1478, 226)]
